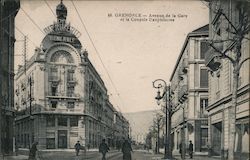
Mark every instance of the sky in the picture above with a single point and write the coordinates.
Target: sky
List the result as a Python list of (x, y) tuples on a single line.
[(131, 52)]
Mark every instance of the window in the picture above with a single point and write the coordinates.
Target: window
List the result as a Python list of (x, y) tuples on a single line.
[(203, 106), (62, 121), (70, 91), (50, 143), (203, 49), (70, 76), (71, 105), (203, 78), (54, 74), (73, 121), (53, 104), (204, 137), (53, 90), (50, 121)]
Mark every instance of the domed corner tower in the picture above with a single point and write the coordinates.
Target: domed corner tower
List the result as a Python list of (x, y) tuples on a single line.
[(63, 79)]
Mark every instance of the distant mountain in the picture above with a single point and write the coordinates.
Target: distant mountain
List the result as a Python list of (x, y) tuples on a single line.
[(140, 122)]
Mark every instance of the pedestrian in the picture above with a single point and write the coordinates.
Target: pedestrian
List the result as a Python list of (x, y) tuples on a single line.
[(191, 149), (88, 146), (33, 150), (77, 147), (103, 148), (126, 150), (181, 150), (16, 148)]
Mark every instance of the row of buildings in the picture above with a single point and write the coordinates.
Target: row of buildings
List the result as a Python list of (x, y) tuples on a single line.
[(202, 85), (58, 96)]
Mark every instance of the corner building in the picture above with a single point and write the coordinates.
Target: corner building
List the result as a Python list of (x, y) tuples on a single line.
[(59, 95), (189, 87)]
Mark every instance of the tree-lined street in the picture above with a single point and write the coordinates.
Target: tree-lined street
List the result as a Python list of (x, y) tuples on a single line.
[(85, 86)]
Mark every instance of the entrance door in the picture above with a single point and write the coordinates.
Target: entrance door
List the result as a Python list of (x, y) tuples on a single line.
[(62, 138), (217, 135)]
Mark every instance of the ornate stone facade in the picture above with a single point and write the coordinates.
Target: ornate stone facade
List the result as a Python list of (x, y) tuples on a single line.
[(60, 97)]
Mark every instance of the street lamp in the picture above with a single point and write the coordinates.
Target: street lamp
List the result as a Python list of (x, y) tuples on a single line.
[(161, 84)]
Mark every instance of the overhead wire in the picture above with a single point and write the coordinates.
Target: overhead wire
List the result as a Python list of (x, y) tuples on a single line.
[(32, 20), (49, 7), (89, 38), (25, 35), (92, 42)]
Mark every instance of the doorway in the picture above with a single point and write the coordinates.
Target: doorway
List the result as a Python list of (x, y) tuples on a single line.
[(217, 136), (62, 138)]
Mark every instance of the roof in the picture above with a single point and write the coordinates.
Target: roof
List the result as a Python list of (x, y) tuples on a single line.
[(202, 31)]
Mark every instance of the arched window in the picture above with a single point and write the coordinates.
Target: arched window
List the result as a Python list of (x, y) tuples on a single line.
[(62, 57)]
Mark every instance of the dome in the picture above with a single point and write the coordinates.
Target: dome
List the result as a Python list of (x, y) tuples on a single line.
[(61, 11)]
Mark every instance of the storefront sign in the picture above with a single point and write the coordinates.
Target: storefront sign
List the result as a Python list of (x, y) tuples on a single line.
[(62, 38), (57, 27)]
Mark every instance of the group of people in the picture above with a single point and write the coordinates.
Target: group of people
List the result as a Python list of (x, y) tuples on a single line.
[(126, 150), (104, 148)]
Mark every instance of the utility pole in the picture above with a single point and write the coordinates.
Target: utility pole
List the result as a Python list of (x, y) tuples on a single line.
[(183, 149), (168, 152), (25, 53)]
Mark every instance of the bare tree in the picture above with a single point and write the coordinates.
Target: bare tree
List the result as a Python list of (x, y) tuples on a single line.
[(237, 31)]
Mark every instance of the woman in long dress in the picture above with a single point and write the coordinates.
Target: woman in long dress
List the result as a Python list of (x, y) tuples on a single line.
[(126, 150)]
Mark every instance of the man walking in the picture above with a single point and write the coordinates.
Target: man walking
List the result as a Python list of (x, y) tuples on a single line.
[(77, 147), (191, 149), (103, 148), (182, 150), (33, 150)]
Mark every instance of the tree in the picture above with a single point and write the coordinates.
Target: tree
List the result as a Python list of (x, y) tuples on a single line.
[(237, 30)]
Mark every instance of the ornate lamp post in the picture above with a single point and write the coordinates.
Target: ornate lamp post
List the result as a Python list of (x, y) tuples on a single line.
[(161, 84)]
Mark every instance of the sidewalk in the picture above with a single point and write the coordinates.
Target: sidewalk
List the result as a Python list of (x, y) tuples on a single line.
[(178, 156), (55, 151), (19, 157)]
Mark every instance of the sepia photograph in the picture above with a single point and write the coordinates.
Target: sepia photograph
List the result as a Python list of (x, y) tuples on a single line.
[(124, 80)]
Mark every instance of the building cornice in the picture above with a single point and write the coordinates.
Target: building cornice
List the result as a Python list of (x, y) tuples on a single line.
[(228, 98)]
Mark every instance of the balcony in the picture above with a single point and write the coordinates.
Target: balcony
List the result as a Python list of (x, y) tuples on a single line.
[(212, 58), (62, 110), (204, 122), (184, 65), (180, 74), (183, 91), (71, 81), (63, 96), (54, 79)]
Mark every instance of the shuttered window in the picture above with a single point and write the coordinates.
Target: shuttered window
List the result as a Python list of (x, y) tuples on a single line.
[(203, 50), (203, 78)]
